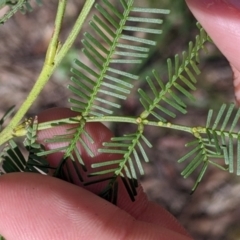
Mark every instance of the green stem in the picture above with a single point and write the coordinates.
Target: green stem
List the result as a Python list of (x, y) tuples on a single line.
[(21, 130), (53, 58), (192, 130), (131, 120), (43, 77), (75, 31), (145, 122)]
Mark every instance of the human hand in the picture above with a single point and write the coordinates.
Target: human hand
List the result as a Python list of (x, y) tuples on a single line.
[(34, 206), (221, 20)]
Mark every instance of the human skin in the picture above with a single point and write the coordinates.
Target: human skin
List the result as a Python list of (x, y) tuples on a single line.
[(43, 207), (221, 18), (33, 206)]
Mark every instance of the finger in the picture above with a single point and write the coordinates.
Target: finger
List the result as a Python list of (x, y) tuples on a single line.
[(36, 207), (221, 20), (141, 208)]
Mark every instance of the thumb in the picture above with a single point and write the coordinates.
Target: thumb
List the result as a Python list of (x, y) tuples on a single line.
[(34, 206), (221, 20)]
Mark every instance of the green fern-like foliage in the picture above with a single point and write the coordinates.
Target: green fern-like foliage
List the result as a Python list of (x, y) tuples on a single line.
[(181, 80), (217, 140), (132, 152), (98, 91), (100, 81), (171, 95), (15, 6), (12, 159)]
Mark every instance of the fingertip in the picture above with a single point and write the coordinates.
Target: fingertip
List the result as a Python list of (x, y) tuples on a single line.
[(225, 8), (42, 207), (221, 20)]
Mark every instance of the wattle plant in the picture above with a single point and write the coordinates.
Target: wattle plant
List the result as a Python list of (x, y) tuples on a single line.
[(98, 90)]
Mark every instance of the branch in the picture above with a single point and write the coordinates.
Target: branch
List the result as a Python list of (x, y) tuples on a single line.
[(53, 59)]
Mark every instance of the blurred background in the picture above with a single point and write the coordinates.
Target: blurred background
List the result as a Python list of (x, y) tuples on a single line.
[(212, 211)]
